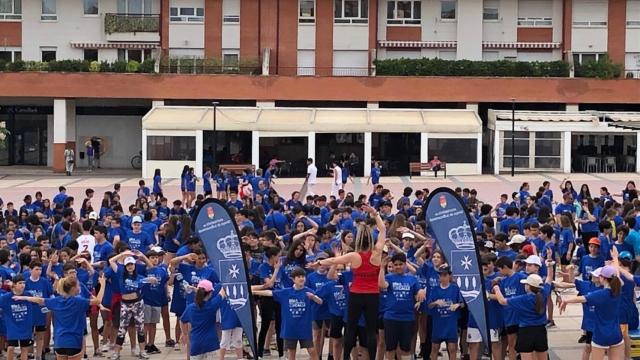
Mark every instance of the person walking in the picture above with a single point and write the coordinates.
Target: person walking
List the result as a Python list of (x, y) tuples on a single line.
[(312, 177), (69, 160), (336, 184), (89, 151)]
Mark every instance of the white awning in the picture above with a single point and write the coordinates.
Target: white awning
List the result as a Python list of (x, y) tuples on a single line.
[(555, 116), (623, 116), (319, 120)]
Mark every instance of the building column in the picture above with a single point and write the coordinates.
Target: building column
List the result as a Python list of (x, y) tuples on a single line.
[(145, 173), (199, 152), (311, 145), (572, 108), (566, 152), (367, 153), (64, 131), (424, 150), (567, 28), (617, 31), (164, 28), (496, 152), (255, 148), (266, 104), (479, 154), (637, 152), (373, 105), (324, 38), (213, 29), (157, 103), (472, 106)]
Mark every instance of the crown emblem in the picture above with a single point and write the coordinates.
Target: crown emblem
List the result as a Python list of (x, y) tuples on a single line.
[(229, 246), (462, 237)]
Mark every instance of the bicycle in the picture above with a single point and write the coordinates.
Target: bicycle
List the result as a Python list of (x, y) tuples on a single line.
[(136, 161)]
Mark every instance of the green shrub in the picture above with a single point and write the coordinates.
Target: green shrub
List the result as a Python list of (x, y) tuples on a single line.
[(69, 66), (94, 66), (3, 64), (106, 66), (16, 66), (36, 66), (119, 66), (133, 66), (604, 68), (439, 67), (148, 66)]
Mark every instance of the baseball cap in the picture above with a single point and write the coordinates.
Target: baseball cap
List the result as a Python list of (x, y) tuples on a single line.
[(534, 259), (517, 239), (596, 272), (136, 219), (445, 269), (129, 260), (93, 216), (533, 280), (408, 235), (489, 244), (608, 271), (158, 250), (528, 249), (594, 241), (206, 285), (322, 255), (625, 255)]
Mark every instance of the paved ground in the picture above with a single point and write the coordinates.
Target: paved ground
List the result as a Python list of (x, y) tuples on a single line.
[(562, 339)]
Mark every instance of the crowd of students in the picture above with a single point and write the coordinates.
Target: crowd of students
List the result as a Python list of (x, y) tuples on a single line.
[(360, 272)]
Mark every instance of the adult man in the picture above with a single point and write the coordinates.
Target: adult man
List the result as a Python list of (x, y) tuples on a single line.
[(436, 164), (312, 176), (336, 184)]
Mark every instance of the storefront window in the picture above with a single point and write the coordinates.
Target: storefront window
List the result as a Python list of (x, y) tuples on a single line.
[(455, 151), (521, 145), (533, 150), (171, 148)]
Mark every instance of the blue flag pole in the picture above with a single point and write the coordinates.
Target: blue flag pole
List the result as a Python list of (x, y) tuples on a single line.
[(219, 234), (451, 226)]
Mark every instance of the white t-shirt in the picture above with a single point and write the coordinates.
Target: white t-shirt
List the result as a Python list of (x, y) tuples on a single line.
[(337, 175), (86, 243), (312, 171)]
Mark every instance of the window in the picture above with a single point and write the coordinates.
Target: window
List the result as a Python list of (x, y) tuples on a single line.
[(91, 54), (535, 22), (230, 62), (231, 19), (48, 55), (351, 11), (9, 56), (455, 151), (447, 54), (581, 58), (404, 12), (590, 13), (633, 13), (589, 23), (491, 10), (10, 9), (548, 147), (134, 54), (533, 150), (91, 7), (49, 10), (188, 14), (135, 7), (307, 13), (448, 9), (521, 153), (180, 148)]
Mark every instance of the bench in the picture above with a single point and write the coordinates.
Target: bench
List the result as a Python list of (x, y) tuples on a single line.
[(237, 169), (416, 167)]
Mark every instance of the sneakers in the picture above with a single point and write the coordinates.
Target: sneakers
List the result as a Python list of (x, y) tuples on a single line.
[(169, 343), (176, 347), (152, 349), (105, 347), (115, 356), (551, 324), (135, 352), (143, 355)]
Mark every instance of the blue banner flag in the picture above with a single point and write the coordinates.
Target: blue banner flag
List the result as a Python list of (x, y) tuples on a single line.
[(453, 230), (219, 234)]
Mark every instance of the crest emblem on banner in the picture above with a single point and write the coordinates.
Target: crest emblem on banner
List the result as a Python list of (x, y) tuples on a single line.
[(210, 212), (237, 292), (443, 201), (463, 261)]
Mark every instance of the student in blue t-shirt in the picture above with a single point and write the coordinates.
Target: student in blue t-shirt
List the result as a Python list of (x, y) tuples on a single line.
[(607, 335), (231, 331), (157, 185), (566, 241), (136, 238), (403, 294), (203, 337), (154, 296), (531, 307), (37, 286), (445, 303), (374, 176), (18, 315), (510, 286), (269, 309), (592, 261), (321, 317), (206, 182), (297, 313)]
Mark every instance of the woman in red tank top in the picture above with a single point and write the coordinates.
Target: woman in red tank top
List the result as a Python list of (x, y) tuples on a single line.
[(364, 291)]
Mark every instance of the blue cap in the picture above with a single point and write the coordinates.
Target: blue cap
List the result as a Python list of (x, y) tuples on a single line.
[(625, 255)]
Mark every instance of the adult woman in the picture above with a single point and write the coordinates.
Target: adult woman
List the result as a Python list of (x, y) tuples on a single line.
[(69, 320), (191, 179), (532, 318), (203, 336), (157, 185), (607, 336), (184, 175), (364, 294)]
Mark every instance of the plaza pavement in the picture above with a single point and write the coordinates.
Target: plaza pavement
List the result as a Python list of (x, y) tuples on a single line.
[(562, 338)]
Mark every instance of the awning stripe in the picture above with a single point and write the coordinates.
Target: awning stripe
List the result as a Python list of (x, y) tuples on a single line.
[(114, 45), (454, 44)]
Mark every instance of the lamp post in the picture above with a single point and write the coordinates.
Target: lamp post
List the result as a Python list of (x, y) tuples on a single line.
[(513, 137), (215, 137)]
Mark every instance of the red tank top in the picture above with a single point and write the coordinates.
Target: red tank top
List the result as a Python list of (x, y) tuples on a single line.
[(365, 278)]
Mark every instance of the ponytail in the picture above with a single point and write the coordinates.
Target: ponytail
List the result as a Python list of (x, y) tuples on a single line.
[(65, 285), (201, 294), (363, 238), (539, 306), (616, 285)]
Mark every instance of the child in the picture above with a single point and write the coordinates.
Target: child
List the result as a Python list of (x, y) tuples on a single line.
[(591, 262), (18, 318), (296, 313), (153, 296), (510, 286), (231, 331), (374, 177), (321, 316), (445, 302), (157, 185), (143, 190), (203, 337), (37, 286)]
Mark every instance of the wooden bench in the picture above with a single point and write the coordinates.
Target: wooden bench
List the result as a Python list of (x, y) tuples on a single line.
[(416, 167), (237, 169)]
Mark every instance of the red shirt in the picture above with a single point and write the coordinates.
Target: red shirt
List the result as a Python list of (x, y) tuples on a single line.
[(365, 278)]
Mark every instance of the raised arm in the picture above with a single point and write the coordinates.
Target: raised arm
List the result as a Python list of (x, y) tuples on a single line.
[(382, 282), (113, 262), (97, 300), (177, 260), (382, 231)]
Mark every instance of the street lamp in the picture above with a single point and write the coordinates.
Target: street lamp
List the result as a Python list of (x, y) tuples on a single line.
[(513, 137), (215, 137)]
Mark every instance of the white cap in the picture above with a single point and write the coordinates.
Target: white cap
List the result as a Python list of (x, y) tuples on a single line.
[(408, 235), (534, 259), (596, 272), (533, 280), (93, 215), (129, 260), (489, 244), (136, 219), (517, 239)]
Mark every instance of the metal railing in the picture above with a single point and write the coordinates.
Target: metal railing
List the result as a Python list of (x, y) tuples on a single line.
[(188, 65), (329, 71), (125, 23), (632, 73)]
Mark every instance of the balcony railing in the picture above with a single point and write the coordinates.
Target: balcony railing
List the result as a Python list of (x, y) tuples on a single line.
[(632, 73), (131, 23)]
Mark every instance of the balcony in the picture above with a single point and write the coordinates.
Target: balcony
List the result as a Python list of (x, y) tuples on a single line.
[(132, 27)]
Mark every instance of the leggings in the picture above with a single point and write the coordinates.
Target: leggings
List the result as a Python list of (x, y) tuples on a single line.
[(128, 311), (269, 308), (426, 351), (359, 304)]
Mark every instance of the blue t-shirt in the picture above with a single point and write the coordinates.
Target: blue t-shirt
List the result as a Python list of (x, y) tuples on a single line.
[(588, 264), (40, 288), (524, 306), (157, 181), (277, 220), (297, 313), (566, 238), (203, 336), (510, 287), (588, 311), (401, 295), (316, 282), (102, 251), (17, 316), (206, 181), (565, 208), (156, 294), (265, 272), (337, 299), (130, 284), (508, 253), (445, 321), (375, 175), (69, 320), (140, 241), (606, 329), (228, 317)]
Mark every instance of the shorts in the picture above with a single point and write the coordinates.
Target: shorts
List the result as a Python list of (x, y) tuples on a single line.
[(292, 344), (211, 355), (317, 324), (93, 309), (512, 329), (588, 337), (474, 336), (67, 351), (440, 341), (607, 346), (337, 324), (398, 334), (231, 339), (40, 328), (20, 343), (532, 338), (380, 323), (151, 314)]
